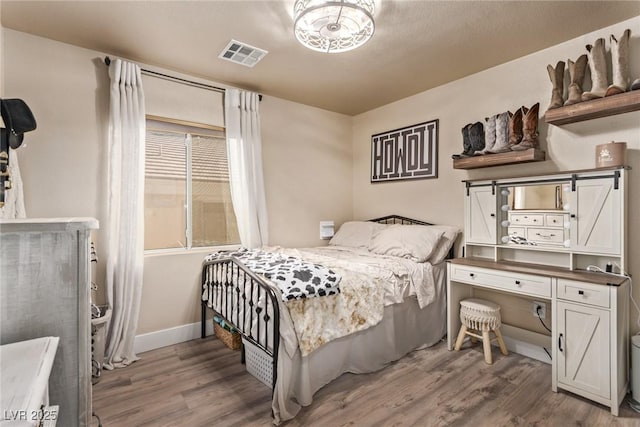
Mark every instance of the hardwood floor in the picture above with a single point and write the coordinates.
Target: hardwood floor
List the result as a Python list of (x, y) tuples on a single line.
[(202, 383)]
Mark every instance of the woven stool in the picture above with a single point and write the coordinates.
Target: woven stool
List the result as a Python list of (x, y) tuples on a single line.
[(479, 316)]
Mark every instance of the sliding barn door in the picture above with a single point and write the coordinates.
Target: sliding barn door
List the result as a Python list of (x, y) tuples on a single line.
[(480, 218), (596, 217)]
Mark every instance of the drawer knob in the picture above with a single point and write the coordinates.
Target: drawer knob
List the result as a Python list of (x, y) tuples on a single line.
[(517, 282), (472, 275), (573, 215), (493, 215), (580, 292)]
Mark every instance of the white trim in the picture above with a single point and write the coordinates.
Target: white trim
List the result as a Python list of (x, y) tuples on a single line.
[(165, 337), (526, 343)]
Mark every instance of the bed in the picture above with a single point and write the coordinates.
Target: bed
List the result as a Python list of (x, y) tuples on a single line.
[(391, 300)]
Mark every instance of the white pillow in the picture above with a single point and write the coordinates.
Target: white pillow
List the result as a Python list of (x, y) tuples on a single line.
[(355, 234), (449, 236), (415, 242)]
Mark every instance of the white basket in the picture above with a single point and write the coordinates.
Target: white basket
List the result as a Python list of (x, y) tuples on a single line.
[(258, 363), (98, 339)]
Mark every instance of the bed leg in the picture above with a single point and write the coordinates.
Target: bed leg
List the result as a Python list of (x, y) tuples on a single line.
[(203, 324)]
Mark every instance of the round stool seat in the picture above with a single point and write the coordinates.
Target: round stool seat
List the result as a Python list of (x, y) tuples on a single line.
[(484, 317), (480, 314)]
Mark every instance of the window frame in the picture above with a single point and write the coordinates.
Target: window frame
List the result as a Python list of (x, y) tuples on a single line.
[(187, 127)]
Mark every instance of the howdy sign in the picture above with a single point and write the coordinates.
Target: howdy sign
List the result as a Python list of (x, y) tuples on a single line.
[(407, 153)]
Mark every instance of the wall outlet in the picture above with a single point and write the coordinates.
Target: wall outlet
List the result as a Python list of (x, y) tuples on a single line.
[(542, 313)]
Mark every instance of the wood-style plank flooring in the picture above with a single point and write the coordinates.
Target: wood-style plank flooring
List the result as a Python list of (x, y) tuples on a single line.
[(202, 383)]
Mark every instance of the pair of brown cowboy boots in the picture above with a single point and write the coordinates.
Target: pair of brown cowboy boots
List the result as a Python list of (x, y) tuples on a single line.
[(512, 131)]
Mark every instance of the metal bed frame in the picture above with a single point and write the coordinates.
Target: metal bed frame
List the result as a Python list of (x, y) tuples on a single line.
[(266, 298)]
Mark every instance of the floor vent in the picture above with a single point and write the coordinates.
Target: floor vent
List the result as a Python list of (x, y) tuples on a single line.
[(242, 53)]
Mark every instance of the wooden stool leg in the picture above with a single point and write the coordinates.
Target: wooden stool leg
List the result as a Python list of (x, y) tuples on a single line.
[(486, 345), (461, 334), (503, 348)]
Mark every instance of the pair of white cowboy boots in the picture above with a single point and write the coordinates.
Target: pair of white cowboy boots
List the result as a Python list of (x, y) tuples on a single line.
[(596, 58)]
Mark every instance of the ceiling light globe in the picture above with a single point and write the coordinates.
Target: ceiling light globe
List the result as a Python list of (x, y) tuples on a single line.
[(333, 26)]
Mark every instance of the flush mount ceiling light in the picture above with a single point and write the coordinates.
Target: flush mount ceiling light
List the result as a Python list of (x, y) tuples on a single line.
[(333, 26)]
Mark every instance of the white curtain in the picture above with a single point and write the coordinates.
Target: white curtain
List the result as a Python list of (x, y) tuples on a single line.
[(244, 151), (125, 224), (14, 198)]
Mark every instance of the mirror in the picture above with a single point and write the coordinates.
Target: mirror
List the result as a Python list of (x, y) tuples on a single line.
[(538, 197), (536, 214)]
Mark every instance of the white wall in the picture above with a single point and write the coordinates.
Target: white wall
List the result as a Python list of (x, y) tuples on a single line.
[(506, 87), (306, 153)]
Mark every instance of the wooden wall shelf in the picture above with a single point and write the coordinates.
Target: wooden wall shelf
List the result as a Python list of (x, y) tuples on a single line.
[(602, 107), (510, 157)]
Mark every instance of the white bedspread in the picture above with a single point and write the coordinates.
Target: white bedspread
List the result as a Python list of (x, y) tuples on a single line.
[(369, 283)]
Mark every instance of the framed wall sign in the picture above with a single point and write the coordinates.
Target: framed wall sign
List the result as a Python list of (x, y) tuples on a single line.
[(407, 153)]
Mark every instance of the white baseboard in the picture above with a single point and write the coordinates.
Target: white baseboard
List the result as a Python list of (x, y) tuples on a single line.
[(531, 347), (526, 343), (165, 337)]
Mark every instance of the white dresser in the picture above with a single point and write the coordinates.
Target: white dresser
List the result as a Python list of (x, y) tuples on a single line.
[(545, 255), (540, 227), (45, 291)]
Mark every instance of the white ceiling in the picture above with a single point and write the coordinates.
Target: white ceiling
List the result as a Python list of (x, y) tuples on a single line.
[(417, 45)]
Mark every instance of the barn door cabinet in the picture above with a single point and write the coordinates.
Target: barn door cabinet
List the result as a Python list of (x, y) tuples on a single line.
[(582, 224), (591, 329), (556, 228), (480, 223), (596, 224)]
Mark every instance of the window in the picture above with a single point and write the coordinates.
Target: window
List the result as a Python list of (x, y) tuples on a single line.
[(187, 193)]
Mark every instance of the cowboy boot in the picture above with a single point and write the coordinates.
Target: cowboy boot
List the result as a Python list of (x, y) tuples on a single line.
[(529, 129), (515, 127), (502, 134), (556, 75), (466, 144), (620, 64), (598, 67), (476, 136), (576, 74), (489, 134)]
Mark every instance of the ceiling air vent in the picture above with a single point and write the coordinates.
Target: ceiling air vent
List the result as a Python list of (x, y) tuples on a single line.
[(242, 53)]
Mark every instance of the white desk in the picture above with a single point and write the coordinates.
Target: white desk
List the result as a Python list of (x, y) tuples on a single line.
[(25, 367), (590, 324)]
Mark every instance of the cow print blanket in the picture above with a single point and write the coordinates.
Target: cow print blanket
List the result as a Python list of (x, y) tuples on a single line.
[(296, 279)]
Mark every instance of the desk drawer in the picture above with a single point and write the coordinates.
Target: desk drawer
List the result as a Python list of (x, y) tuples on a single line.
[(526, 219), (517, 232), (525, 284), (554, 220), (586, 293), (546, 235)]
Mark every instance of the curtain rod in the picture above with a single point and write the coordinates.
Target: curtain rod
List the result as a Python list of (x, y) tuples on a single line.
[(107, 61)]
